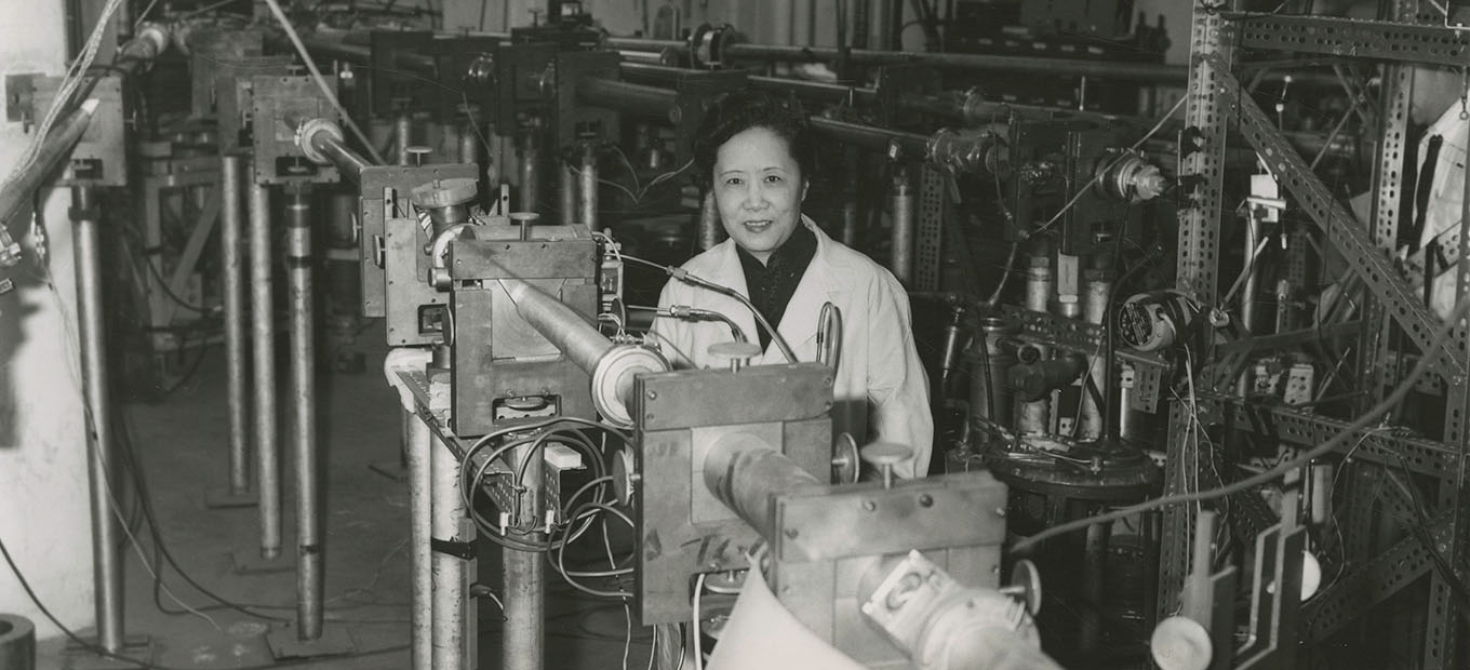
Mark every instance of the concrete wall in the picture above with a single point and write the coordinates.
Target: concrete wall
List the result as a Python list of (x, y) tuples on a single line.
[(43, 480)]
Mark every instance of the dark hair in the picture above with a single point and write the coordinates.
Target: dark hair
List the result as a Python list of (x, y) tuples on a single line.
[(739, 111)]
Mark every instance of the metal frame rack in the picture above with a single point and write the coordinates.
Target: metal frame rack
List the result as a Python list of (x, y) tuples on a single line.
[(1217, 103)]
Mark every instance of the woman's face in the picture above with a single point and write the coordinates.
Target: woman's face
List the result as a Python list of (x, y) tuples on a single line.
[(758, 190)]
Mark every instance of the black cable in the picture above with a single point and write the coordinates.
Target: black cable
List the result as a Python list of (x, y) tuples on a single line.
[(77, 640)]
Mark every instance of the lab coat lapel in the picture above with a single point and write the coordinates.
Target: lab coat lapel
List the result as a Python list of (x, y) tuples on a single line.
[(818, 285)]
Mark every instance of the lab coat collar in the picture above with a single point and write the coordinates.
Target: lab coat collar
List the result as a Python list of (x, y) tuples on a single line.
[(819, 284)]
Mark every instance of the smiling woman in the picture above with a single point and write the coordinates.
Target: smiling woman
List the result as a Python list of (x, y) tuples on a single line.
[(754, 153)]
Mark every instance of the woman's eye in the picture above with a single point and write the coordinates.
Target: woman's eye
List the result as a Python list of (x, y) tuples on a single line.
[(733, 181), (772, 179)]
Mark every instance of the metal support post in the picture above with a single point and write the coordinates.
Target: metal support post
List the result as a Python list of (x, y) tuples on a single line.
[(420, 486), (449, 143), (1097, 287), (902, 249), (303, 428), (568, 194), (711, 230), (267, 447), (530, 172), (403, 137), (851, 188), (469, 144), (453, 540), (524, 578), (92, 329), (588, 187), (237, 494)]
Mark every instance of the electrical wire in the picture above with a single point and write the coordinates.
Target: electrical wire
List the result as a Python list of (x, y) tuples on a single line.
[(698, 645), (1336, 441), (321, 81), (685, 276)]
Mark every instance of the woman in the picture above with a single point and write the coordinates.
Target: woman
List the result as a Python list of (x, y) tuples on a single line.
[(755, 155)]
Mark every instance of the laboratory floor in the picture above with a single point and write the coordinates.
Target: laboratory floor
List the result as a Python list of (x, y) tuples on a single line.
[(181, 443)]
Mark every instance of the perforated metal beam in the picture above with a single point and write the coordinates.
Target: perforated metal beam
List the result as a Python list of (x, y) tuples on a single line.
[(1377, 40), (1361, 589), (1366, 259)]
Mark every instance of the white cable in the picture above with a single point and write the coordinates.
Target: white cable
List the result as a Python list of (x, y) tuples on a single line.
[(694, 634), (321, 81)]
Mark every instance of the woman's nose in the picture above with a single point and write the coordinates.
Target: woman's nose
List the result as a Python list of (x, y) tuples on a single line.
[(755, 196)]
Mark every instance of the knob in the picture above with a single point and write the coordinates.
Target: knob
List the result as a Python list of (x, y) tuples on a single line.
[(525, 220), (885, 455), (418, 153), (738, 353)]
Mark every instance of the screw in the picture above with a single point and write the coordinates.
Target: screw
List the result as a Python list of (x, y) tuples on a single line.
[(791, 533), (926, 500), (1000, 512), (870, 505), (653, 395)]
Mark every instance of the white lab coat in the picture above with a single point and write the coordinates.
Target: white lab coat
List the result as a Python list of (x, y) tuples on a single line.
[(881, 389), (1446, 195)]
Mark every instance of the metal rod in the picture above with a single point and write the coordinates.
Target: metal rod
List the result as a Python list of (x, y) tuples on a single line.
[(1098, 287), (420, 493), (54, 148), (303, 397), (267, 448), (623, 96), (912, 145), (91, 326), (403, 137), (587, 187), (469, 144), (711, 230), (231, 210), (852, 188), (348, 162), (902, 242), (450, 572), (530, 171), (524, 578), (583, 344), (568, 194), (450, 140)]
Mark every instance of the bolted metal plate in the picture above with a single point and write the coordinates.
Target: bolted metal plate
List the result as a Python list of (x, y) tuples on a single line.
[(956, 510), (720, 398), (514, 259)]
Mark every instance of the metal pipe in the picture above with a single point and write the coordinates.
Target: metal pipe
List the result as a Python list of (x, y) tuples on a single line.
[(852, 187), (814, 89), (92, 331), (231, 209), (420, 487), (902, 242), (54, 148), (568, 194), (711, 230), (303, 397), (267, 448), (623, 96), (1097, 287), (1249, 292), (449, 139), (469, 144), (530, 172), (1094, 576), (911, 145), (403, 137), (524, 578), (335, 151), (746, 473), (451, 572), (564, 328), (587, 187)]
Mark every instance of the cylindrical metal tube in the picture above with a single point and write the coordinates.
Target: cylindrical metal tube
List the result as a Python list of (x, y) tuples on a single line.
[(233, 286), (17, 643), (403, 137), (335, 150), (1094, 587), (744, 472), (991, 357), (902, 249), (1128, 420), (530, 172), (1039, 283), (1249, 293), (420, 491), (92, 330), (852, 187), (912, 145), (303, 427), (570, 333), (469, 144), (711, 230), (1097, 286), (450, 572), (267, 448), (568, 193), (524, 578), (958, 61), (587, 188), (448, 142), (625, 97)]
